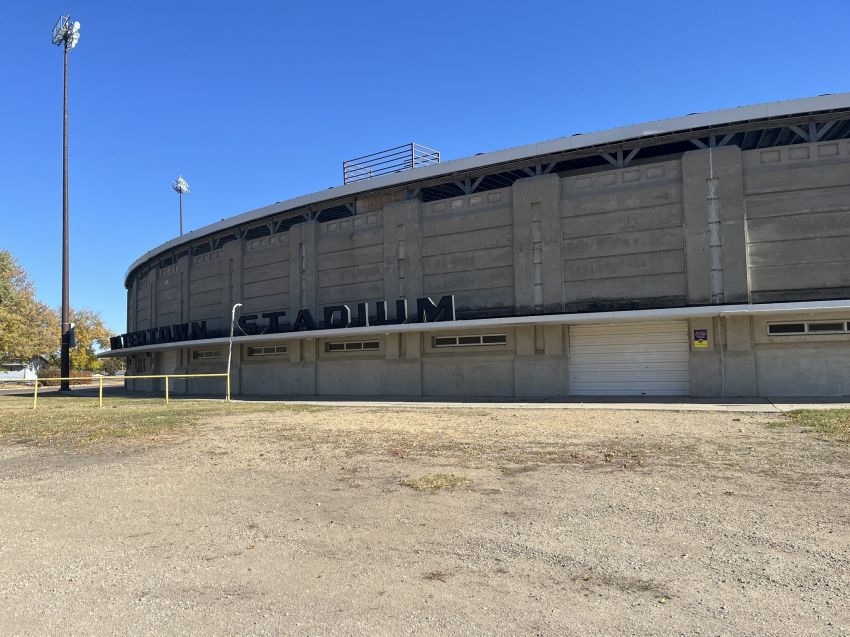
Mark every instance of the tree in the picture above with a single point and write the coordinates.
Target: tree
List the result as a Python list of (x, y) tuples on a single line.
[(92, 337), (28, 328), (111, 366)]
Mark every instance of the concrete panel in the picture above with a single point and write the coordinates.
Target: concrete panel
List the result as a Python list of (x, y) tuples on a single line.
[(207, 283), (448, 224), (281, 379), (822, 175), (797, 251), (655, 286), (625, 243), (813, 277), (472, 259), (201, 299), (361, 377), (354, 257), (362, 273), (447, 375), (799, 370), (835, 223), (669, 216), (352, 294), (739, 336), (626, 265), (486, 239), (740, 374), (266, 272), (276, 255), (401, 378), (541, 378), (266, 302), (469, 280), (626, 198), (525, 341), (268, 287), (480, 303), (353, 240), (797, 202)]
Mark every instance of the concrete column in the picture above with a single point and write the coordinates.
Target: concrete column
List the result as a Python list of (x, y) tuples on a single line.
[(302, 269), (184, 267), (538, 259), (715, 241), (232, 266), (705, 368), (402, 251), (739, 359)]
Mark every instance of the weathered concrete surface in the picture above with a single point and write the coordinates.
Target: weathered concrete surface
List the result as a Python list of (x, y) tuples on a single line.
[(709, 226)]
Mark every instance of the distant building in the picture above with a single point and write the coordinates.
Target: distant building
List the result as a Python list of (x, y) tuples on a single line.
[(706, 255), (22, 371)]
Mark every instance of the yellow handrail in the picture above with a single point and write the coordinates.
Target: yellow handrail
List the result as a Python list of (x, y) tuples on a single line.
[(124, 378)]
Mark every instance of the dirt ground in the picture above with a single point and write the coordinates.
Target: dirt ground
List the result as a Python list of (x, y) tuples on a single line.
[(563, 522)]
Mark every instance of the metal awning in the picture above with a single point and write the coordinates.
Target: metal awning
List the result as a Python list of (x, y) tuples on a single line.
[(703, 311)]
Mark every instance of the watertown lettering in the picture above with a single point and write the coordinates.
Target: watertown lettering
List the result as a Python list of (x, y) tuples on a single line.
[(335, 317)]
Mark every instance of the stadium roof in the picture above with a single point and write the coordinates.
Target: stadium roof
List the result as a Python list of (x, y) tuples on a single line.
[(696, 125)]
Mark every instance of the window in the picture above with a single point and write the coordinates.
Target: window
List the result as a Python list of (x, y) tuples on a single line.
[(470, 341), (267, 350), (826, 327), (207, 353), (809, 327), (786, 328), (352, 346)]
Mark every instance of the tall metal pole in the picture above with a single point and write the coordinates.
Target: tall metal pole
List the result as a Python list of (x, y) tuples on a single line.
[(65, 364), (180, 192)]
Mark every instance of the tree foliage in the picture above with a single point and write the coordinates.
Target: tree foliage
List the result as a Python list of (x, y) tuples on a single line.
[(28, 328), (92, 337)]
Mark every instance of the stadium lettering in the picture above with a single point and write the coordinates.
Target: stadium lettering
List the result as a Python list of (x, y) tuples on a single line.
[(335, 317)]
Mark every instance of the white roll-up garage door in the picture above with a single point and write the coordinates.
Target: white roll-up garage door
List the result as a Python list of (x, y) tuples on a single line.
[(634, 359)]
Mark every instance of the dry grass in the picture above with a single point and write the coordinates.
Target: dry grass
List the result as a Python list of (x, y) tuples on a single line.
[(829, 424), (435, 482), (79, 420)]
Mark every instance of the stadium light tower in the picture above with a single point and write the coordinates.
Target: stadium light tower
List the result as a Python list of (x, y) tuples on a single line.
[(180, 187), (65, 34)]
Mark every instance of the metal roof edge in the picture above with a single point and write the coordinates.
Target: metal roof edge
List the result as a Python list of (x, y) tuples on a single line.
[(701, 311)]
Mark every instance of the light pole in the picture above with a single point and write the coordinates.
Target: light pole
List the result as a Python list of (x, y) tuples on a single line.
[(230, 346), (65, 34), (180, 186)]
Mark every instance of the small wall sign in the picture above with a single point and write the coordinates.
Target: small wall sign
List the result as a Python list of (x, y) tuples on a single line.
[(700, 339)]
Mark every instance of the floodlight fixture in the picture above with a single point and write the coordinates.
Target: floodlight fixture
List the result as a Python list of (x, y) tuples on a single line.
[(181, 187), (66, 32)]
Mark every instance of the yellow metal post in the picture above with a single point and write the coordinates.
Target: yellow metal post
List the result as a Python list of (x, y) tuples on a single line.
[(35, 395), (100, 392), (227, 399), (166, 390)]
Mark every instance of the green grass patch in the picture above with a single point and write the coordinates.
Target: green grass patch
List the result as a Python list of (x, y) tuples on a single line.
[(435, 482), (829, 424), (79, 419)]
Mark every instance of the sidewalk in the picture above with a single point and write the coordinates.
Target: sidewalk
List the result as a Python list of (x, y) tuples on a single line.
[(655, 403)]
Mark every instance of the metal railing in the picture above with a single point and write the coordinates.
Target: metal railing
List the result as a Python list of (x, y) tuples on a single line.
[(391, 160), (100, 380)]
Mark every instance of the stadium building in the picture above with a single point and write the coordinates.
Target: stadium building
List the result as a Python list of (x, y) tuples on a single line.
[(706, 255)]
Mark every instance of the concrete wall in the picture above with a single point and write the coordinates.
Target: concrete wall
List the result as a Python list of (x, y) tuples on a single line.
[(623, 238), (798, 221), (709, 226)]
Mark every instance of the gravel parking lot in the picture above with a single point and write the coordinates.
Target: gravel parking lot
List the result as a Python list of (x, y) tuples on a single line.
[(302, 521)]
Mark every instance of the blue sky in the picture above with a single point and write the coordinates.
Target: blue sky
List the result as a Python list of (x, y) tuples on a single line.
[(256, 102)]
